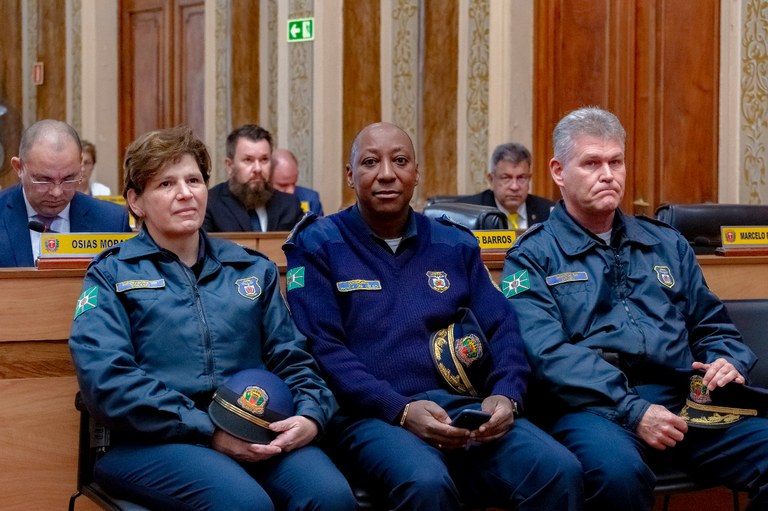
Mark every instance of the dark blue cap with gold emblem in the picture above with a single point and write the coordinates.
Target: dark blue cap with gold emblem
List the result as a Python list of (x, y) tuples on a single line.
[(723, 406), (248, 402), (461, 354)]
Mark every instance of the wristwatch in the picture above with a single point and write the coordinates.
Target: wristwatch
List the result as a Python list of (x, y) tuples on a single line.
[(515, 408)]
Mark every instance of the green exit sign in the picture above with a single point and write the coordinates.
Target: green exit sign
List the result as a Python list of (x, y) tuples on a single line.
[(301, 30)]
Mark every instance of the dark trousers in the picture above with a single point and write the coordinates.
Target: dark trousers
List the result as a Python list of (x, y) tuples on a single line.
[(617, 477), (526, 469), (191, 477)]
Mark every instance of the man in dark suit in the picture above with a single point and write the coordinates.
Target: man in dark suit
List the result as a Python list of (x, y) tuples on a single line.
[(247, 201), (48, 166), (509, 181), (285, 174)]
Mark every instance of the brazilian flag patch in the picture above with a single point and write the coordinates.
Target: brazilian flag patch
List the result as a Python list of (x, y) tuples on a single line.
[(516, 284), (294, 279), (87, 301)]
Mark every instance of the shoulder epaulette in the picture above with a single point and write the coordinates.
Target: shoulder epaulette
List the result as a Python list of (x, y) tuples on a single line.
[(253, 251), (306, 220), (532, 229), (114, 249), (229, 251), (653, 221)]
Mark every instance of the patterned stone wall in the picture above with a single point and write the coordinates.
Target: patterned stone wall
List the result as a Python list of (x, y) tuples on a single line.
[(754, 103), (476, 101)]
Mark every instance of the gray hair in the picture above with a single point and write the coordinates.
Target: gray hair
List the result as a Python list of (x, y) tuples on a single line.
[(512, 152), (56, 131), (588, 121)]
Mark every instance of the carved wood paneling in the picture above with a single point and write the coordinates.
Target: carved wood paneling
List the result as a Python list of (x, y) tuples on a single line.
[(189, 65), (145, 67), (245, 62), (52, 52), (654, 64), (10, 88), (438, 160), (362, 73), (687, 67), (162, 56)]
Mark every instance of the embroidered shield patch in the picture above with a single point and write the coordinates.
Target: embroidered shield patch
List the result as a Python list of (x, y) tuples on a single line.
[(254, 399), (248, 287), (438, 281), (468, 349), (516, 284), (699, 393), (664, 275), (87, 301)]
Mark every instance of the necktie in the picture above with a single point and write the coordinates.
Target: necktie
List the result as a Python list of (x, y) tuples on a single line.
[(512, 218), (255, 222), (47, 220)]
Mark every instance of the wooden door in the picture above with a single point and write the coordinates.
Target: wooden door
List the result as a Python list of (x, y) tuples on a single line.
[(655, 64), (162, 63)]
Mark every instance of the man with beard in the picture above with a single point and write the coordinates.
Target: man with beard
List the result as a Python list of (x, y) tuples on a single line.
[(247, 201)]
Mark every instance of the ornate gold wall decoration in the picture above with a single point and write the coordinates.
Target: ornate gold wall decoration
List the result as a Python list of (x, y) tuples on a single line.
[(29, 42), (223, 120), (754, 102), (405, 65), (300, 85), (75, 71), (270, 120), (477, 93)]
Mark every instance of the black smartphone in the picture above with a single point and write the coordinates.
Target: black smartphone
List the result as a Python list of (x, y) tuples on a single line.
[(470, 419)]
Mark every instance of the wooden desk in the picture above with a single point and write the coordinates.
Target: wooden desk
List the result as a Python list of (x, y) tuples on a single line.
[(736, 277), (38, 429)]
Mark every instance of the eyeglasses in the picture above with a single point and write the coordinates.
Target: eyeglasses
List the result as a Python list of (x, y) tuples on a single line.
[(47, 185), (520, 180)]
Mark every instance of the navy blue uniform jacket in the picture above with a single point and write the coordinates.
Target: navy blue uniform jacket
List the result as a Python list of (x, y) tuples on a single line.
[(643, 297), (151, 341)]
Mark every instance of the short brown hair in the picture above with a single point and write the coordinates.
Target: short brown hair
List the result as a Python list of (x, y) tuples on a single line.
[(154, 150), (251, 132), (89, 148)]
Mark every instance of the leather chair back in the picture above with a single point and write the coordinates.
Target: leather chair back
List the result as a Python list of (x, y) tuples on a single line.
[(749, 317), (471, 216), (700, 223), (443, 198)]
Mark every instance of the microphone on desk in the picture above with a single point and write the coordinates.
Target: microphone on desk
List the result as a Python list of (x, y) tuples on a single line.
[(702, 241), (38, 226)]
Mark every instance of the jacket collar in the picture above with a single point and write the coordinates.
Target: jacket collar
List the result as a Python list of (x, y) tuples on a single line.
[(575, 239), (142, 245)]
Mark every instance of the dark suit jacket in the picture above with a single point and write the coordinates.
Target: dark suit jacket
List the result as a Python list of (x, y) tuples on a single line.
[(312, 197), (536, 208), (86, 214), (226, 213)]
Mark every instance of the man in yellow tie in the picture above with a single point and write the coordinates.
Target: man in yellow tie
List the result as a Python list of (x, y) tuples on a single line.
[(509, 181)]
